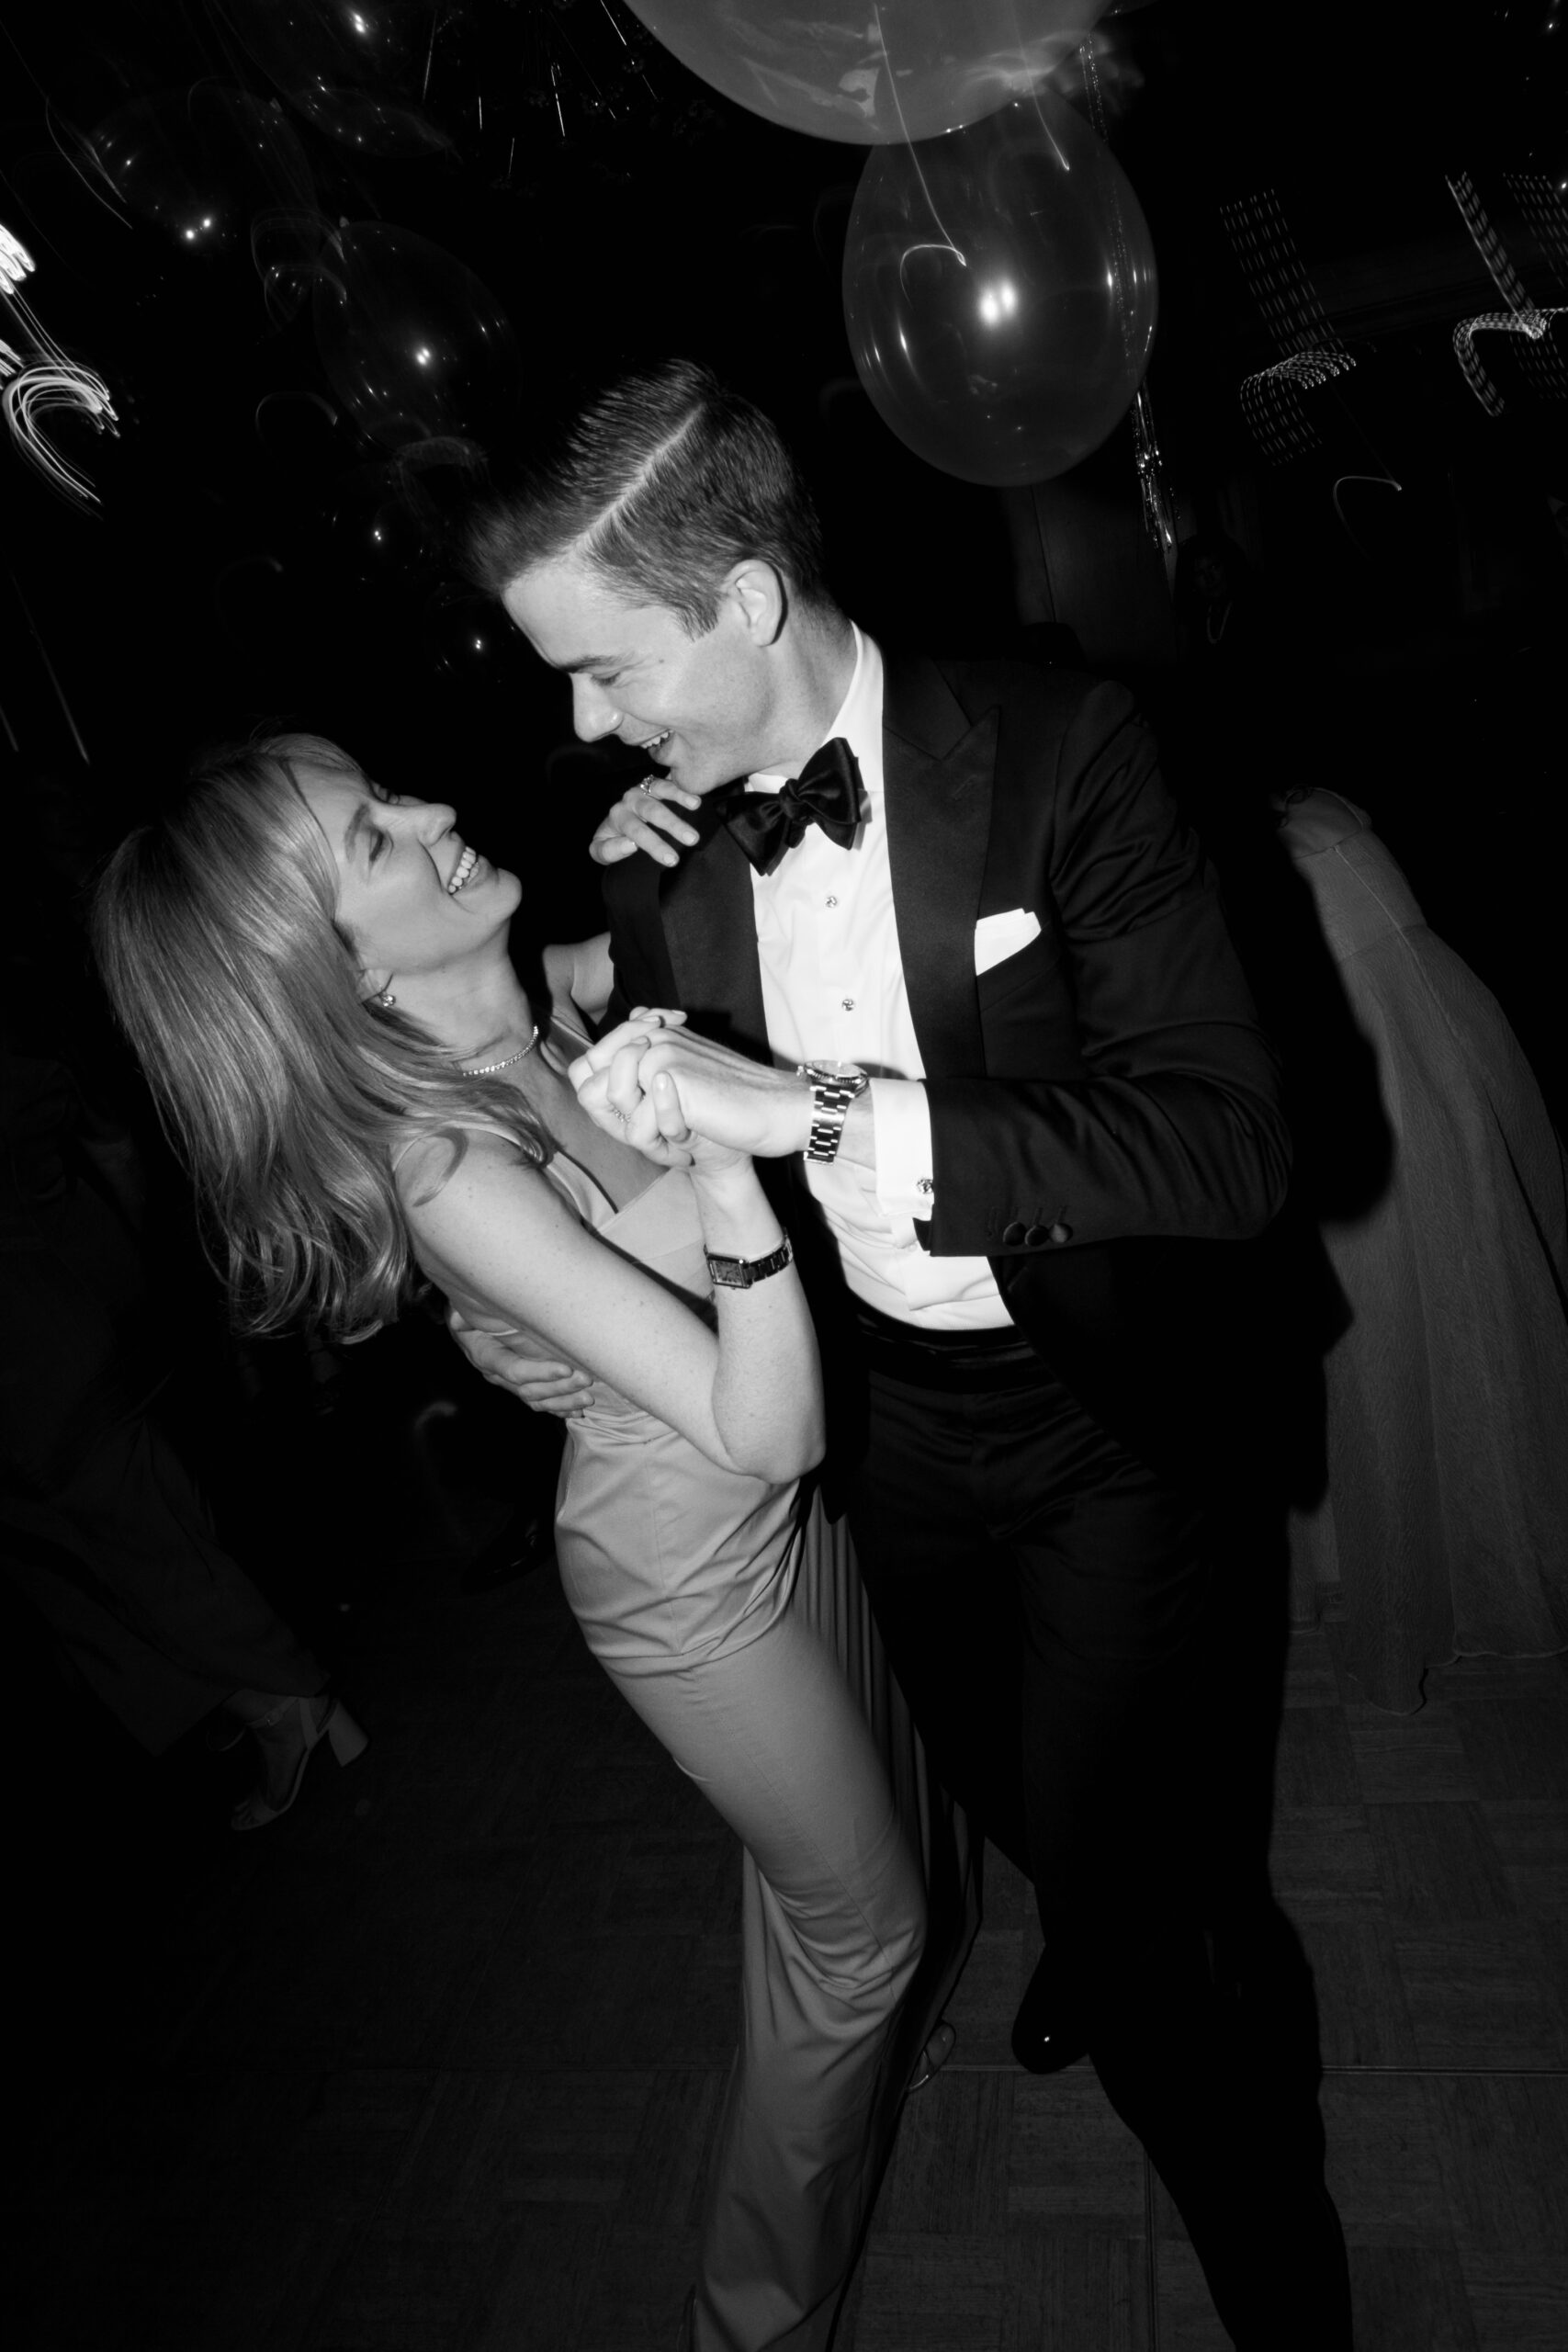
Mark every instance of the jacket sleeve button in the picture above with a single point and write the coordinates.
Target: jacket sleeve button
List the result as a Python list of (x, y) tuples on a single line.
[(1013, 1235), (1036, 1236)]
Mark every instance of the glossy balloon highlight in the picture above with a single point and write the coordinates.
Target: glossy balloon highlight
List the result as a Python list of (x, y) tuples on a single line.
[(1000, 293), (415, 347), (879, 71)]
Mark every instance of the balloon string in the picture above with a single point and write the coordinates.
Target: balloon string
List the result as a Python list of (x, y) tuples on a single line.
[(1382, 481), (1157, 518), (72, 164), (430, 56), (914, 157), (1118, 233), (44, 657)]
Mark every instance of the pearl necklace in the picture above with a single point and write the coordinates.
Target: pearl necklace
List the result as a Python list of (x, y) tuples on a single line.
[(522, 1054)]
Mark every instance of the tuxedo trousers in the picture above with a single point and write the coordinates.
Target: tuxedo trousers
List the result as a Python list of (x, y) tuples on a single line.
[(1094, 1660)]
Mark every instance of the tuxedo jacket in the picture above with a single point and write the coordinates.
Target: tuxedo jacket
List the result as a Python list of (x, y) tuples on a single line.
[(1105, 1110)]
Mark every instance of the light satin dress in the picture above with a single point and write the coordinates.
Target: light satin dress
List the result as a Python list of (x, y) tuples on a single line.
[(727, 1610)]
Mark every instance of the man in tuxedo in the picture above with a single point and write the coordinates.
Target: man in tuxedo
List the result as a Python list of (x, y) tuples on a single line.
[(979, 972)]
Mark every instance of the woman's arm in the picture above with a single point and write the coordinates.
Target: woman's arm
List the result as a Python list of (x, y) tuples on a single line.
[(750, 1398), (581, 974)]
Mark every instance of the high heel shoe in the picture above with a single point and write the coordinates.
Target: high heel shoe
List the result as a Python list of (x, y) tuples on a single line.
[(337, 1726), (933, 2057)]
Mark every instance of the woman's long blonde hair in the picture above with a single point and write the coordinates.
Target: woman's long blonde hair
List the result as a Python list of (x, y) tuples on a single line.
[(286, 1093)]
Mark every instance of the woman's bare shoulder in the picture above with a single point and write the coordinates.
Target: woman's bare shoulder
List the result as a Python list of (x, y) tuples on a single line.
[(432, 1160)]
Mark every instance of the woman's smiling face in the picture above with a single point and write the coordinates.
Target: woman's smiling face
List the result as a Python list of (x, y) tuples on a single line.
[(410, 894)]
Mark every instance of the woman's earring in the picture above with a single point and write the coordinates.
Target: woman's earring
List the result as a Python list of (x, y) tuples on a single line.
[(384, 996)]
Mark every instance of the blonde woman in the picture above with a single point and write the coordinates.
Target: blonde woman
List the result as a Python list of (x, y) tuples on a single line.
[(314, 974)]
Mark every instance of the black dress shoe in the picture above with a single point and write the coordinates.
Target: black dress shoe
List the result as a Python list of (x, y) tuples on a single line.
[(1047, 2033)]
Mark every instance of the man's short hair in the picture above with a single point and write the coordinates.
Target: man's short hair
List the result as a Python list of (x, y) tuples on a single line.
[(666, 483)]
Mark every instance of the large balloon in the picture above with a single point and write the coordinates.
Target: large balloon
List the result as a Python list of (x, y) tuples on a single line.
[(355, 68), (414, 344), (1000, 293), (887, 70)]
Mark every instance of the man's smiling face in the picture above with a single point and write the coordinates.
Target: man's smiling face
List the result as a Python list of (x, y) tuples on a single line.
[(701, 706)]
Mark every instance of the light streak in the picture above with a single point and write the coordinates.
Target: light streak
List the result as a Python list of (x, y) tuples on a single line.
[(1489, 244), (39, 379), (1312, 354), (1545, 213), (1551, 377), (1522, 317)]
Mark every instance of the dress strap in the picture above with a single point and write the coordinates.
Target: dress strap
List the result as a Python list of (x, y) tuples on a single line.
[(571, 1028), (464, 1126)]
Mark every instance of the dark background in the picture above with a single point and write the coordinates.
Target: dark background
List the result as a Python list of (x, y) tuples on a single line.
[(230, 572), (257, 555)]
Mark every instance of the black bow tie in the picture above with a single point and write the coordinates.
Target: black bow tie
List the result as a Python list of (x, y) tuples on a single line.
[(826, 793)]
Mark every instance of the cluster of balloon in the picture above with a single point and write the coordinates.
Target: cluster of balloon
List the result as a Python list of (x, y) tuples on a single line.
[(202, 162), (886, 70), (356, 69), (1001, 294), (414, 346)]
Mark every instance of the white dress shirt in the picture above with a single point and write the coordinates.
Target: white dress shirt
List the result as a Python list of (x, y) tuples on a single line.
[(833, 991)]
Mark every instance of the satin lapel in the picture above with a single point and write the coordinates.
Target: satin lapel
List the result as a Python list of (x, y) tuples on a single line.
[(938, 773), (710, 928)]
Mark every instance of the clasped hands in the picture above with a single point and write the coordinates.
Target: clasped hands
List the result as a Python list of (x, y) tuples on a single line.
[(679, 1099)]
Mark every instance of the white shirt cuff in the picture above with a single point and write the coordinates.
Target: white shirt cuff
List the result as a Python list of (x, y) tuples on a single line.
[(901, 1120)]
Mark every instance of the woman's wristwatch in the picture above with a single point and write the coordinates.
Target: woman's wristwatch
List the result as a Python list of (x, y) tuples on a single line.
[(834, 1086), (739, 1274)]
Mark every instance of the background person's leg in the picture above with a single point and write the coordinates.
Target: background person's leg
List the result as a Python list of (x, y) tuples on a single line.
[(122, 1562)]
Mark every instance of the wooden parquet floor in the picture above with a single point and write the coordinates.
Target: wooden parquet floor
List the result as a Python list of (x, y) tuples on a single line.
[(430, 2065)]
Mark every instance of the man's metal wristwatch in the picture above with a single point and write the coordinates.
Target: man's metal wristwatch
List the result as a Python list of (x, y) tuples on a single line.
[(834, 1086)]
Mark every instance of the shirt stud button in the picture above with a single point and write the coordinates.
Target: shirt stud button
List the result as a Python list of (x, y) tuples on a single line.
[(924, 1185), (829, 902), (849, 1004)]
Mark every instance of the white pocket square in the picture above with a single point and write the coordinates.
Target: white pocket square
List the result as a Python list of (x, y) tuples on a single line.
[(999, 936)]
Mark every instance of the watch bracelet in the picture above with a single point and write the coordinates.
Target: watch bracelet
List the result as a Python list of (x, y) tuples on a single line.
[(743, 1273)]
